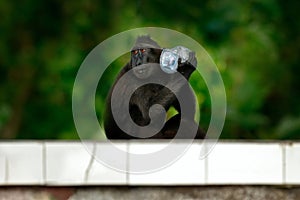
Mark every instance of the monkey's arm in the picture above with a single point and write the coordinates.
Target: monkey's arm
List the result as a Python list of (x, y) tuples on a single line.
[(112, 130)]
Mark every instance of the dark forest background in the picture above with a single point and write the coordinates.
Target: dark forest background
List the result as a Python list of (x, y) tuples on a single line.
[(255, 44)]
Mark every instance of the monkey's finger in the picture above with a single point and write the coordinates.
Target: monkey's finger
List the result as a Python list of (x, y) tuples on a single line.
[(192, 59)]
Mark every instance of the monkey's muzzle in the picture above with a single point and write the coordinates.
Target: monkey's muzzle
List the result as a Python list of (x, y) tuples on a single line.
[(142, 71)]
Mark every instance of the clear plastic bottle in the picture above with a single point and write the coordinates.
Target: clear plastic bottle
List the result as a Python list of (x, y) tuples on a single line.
[(169, 61), (169, 58)]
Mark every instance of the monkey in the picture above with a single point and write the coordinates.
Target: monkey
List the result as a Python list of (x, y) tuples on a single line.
[(144, 63)]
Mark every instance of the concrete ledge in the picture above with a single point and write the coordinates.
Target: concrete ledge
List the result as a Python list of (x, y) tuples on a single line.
[(70, 164), (236, 192)]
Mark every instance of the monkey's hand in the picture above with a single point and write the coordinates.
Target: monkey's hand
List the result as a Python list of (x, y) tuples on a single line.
[(188, 67)]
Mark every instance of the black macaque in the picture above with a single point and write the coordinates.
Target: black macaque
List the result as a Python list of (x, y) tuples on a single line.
[(146, 51)]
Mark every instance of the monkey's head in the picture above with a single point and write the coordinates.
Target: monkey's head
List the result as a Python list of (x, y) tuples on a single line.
[(145, 56)]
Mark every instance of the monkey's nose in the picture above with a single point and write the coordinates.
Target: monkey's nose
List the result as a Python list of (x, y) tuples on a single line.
[(139, 62)]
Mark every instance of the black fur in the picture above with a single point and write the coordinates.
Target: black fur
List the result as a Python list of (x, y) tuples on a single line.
[(147, 51)]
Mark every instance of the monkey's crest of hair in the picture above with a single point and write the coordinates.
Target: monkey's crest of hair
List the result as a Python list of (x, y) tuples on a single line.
[(144, 42)]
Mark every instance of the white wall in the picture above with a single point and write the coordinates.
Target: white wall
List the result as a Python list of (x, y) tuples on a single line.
[(69, 163)]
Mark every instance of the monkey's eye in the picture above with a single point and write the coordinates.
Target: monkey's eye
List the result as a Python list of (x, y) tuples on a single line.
[(135, 52), (143, 50)]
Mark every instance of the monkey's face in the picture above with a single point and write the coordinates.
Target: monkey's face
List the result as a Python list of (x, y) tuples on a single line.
[(144, 61)]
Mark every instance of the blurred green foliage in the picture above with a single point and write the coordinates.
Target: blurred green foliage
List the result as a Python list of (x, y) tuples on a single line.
[(255, 45)]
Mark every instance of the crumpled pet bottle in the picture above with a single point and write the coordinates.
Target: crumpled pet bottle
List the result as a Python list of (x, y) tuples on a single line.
[(169, 58)]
